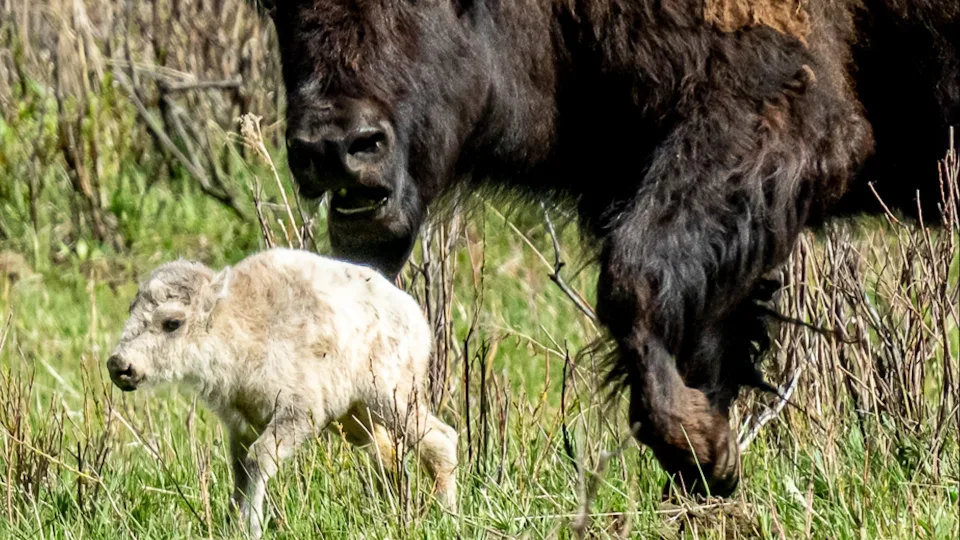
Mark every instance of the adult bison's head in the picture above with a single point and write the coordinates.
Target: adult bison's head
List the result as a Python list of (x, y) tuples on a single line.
[(381, 95)]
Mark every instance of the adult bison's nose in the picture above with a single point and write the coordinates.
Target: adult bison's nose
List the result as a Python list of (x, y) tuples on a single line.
[(122, 373), (345, 148)]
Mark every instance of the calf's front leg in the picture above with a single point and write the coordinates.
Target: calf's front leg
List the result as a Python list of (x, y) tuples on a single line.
[(282, 436), (241, 436)]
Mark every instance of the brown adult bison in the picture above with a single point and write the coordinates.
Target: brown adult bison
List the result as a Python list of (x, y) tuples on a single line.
[(697, 138)]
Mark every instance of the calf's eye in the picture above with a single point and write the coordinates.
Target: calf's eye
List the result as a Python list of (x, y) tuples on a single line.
[(171, 325)]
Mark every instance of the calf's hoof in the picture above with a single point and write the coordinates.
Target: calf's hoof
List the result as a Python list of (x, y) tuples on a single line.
[(445, 490)]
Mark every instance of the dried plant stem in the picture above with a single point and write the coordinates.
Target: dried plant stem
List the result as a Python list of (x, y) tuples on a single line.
[(751, 429), (588, 487), (558, 264), (253, 138), (185, 86)]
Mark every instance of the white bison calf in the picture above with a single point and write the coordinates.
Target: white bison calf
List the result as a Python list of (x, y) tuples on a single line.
[(280, 346)]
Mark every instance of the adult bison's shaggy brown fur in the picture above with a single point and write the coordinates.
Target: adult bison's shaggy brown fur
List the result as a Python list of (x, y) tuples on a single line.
[(698, 137)]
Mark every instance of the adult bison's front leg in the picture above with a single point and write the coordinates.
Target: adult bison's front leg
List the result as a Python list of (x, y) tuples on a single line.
[(684, 261), (653, 302)]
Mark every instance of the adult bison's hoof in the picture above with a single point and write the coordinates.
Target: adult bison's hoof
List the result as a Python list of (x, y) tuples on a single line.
[(716, 476), (693, 442)]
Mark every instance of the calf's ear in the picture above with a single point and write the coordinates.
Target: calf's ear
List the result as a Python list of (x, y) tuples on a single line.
[(213, 292), (157, 290)]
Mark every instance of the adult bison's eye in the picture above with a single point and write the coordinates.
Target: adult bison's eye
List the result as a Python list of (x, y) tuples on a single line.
[(171, 325)]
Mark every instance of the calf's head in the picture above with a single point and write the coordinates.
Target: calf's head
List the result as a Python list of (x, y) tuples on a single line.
[(167, 317), (381, 95)]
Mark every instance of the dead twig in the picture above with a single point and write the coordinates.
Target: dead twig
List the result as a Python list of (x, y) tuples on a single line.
[(749, 431), (588, 487), (164, 140), (186, 86), (558, 264)]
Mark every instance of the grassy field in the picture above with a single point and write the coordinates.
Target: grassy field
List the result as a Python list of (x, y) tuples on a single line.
[(80, 459), (104, 175)]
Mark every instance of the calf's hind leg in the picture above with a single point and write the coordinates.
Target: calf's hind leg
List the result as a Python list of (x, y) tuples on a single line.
[(434, 442), (437, 453), (359, 429)]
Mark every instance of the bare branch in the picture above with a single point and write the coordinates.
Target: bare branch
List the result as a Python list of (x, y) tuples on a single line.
[(589, 487), (185, 86), (164, 140), (784, 392), (558, 264)]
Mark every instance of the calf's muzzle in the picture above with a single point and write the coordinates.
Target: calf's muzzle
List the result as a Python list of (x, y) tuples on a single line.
[(123, 374)]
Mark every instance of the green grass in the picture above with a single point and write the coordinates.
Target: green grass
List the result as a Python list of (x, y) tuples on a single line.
[(80, 459), (154, 465)]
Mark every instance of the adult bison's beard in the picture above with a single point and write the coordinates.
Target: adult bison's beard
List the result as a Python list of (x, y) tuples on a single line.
[(382, 239)]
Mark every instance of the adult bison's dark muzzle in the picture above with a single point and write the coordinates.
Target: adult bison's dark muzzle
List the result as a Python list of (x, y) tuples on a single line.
[(347, 148), (382, 238)]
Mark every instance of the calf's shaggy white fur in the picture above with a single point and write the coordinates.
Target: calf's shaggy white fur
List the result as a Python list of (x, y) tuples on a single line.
[(280, 346)]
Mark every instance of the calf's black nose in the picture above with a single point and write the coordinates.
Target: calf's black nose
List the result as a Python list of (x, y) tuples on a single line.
[(122, 373)]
